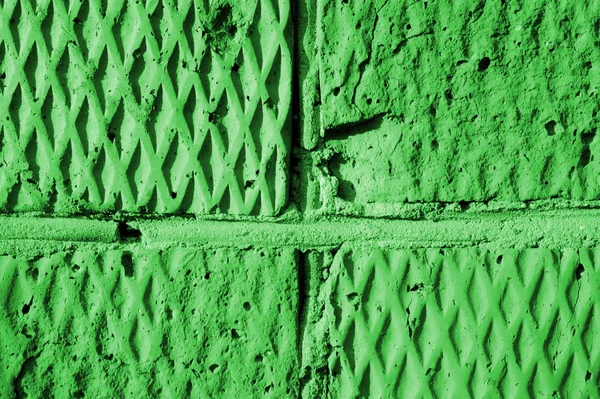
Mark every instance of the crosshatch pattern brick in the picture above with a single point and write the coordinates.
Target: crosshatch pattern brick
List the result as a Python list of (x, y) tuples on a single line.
[(316, 199), (149, 324), (464, 323), (145, 106)]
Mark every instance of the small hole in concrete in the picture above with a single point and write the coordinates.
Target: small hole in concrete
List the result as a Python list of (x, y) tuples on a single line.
[(550, 128), (128, 233), (586, 157), (432, 110), (127, 262), (588, 137), (448, 95), (484, 64), (579, 271)]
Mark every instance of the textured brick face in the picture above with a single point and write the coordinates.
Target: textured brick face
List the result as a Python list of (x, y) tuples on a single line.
[(145, 106), (440, 234), (177, 323), (460, 101), (463, 323)]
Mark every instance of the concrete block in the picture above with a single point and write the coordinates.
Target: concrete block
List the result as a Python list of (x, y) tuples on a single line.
[(439, 101), (145, 107), (460, 322), (147, 323)]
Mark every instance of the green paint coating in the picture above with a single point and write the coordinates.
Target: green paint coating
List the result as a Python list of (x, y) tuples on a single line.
[(474, 120), (124, 106), (456, 101), (163, 324), (455, 323)]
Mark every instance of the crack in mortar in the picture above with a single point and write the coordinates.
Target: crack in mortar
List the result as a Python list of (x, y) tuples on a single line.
[(314, 367)]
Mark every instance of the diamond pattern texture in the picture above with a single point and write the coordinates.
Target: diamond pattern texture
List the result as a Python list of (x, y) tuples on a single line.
[(464, 323), (145, 106), (176, 323)]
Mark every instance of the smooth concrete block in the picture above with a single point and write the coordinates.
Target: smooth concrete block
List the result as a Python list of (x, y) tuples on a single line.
[(439, 101)]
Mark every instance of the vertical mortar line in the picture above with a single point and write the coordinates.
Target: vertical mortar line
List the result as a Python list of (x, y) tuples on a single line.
[(306, 101), (295, 179), (308, 72), (303, 293), (296, 133), (304, 133)]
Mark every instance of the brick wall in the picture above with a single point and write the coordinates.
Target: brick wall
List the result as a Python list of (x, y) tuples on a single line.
[(317, 199)]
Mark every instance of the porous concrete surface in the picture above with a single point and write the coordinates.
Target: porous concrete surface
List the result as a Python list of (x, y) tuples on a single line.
[(149, 323), (447, 322), (316, 199), (439, 101), (150, 107)]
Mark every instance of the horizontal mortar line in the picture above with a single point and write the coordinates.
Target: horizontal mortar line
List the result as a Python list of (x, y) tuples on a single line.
[(57, 229), (400, 211), (549, 229)]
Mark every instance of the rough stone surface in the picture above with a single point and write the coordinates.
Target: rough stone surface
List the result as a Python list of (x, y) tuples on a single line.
[(145, 106), (146, 323), (455, 323), (430, 101), (316, 199)]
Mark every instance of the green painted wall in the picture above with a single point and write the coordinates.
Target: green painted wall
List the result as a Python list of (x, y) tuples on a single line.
[(315, 198)]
